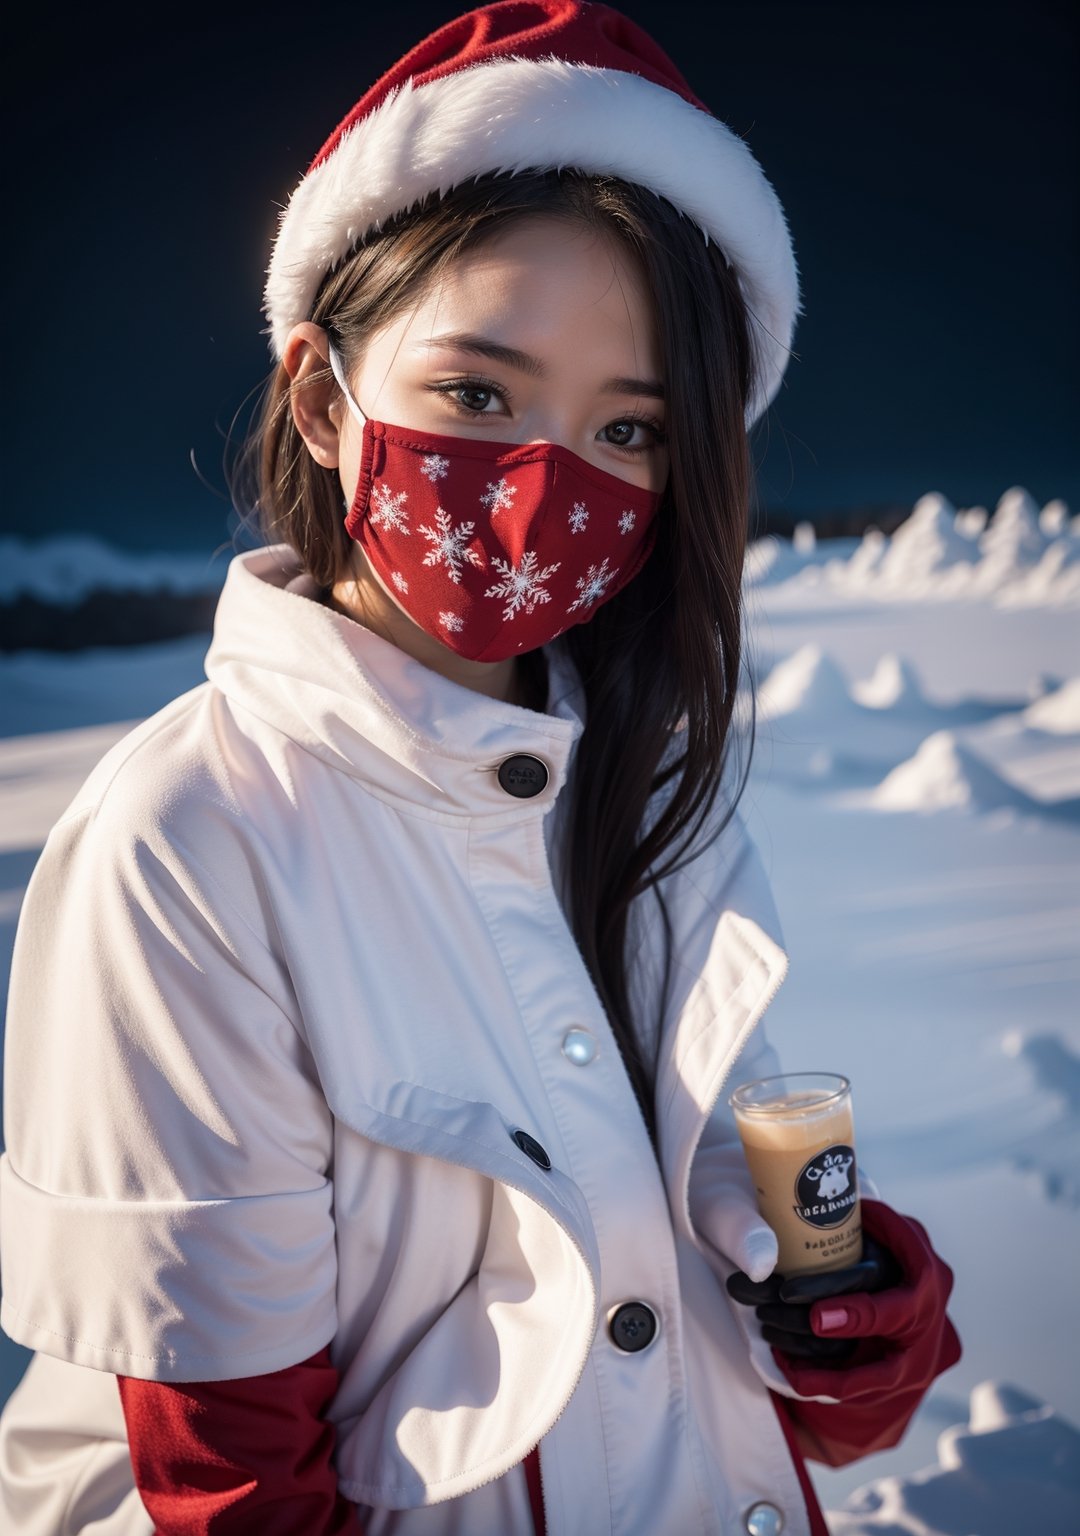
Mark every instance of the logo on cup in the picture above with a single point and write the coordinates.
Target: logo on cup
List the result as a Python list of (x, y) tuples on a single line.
[(825, 1190)]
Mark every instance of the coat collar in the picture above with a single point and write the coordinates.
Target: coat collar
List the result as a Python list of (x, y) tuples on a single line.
[(358, 702)]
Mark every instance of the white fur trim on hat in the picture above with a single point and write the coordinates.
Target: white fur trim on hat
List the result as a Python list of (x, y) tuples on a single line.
[(520, 114)]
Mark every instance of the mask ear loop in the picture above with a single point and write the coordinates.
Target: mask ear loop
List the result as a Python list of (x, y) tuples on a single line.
[(339, 374), (364, 483)]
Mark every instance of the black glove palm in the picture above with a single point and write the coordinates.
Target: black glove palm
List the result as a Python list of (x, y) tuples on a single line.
[(783, 1306)]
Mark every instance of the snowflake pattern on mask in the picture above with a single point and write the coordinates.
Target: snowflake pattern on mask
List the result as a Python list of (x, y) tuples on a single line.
[(435, 467), (449, 545), (626, 522), (386, 508), (452, 622), (591, 588), (522, 584), (399, 581), (579, 516), (499, 496)]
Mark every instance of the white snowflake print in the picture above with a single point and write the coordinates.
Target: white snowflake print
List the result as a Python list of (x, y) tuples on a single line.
[(399, 581), (626, 522), (579, 516), (452, 622), (435, 467), (498, 496), (522, 584), (591, 587), (449, 545), (386, 508)]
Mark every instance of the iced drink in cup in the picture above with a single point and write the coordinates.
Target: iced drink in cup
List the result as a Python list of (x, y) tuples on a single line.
[(799, 1141)]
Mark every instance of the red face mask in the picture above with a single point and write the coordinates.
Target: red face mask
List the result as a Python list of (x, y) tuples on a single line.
[(494, 549)]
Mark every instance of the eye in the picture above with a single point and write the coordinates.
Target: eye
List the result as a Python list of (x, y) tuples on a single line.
[(620, 433), (633, 434), (472, 397)]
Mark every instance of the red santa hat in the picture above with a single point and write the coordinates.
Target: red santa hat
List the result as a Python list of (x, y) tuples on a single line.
[(538, 84)]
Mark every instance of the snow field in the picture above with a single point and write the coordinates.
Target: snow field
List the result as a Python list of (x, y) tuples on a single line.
[(915, 790)]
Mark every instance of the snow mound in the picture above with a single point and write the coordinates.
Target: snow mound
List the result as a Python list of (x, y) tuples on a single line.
[(807, 683), (926, 544), (1054, 518), (1012, 544), (945, 775), (66, 568), (1020, 557), (1057, 712), (1056, 578), (769, 560), (773, 561), (970, 522), (894, 685), (869, 555), (1013, 1468), (1014, 527)]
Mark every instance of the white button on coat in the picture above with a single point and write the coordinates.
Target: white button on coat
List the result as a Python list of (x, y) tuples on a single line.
[(764, 1519), (579, 1046)]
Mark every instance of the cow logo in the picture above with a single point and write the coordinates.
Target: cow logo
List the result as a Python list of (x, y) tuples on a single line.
[(826, 1189)]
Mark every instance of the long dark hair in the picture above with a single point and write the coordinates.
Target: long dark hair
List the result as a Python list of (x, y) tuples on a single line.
[(660, 661)]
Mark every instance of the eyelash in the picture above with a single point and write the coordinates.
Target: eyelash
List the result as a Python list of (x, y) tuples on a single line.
[(447, 387)]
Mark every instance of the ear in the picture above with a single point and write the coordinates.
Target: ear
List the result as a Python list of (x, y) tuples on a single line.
[(315, 402)]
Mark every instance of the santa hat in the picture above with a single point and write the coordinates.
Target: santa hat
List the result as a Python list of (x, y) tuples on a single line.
[(538, 84)]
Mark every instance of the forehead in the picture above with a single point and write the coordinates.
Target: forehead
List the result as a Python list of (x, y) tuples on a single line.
[(544, 283)]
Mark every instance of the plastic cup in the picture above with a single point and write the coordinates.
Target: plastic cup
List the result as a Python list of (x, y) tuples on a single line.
[(798, 1136)]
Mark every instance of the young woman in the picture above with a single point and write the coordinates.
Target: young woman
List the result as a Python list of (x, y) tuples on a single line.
[(375, 1005)]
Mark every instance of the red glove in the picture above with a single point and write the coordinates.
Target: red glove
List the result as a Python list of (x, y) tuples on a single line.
[(904, 1340), (227, 1458)]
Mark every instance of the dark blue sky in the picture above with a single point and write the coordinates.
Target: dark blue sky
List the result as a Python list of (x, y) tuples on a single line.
[(926, 155)]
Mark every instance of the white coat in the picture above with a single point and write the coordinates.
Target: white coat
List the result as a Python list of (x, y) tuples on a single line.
[(292, 971)]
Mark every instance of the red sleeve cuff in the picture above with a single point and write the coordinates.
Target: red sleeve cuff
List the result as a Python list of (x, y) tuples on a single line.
[(226, 1458)]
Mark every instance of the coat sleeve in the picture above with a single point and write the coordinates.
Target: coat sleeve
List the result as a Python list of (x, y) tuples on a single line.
[(165, 1210), (224, 1458)]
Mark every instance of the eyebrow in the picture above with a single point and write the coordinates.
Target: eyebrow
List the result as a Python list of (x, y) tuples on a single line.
[(524, 362)]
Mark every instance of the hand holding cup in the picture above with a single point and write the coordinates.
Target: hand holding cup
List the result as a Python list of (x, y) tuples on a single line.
[(789, 1309)]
